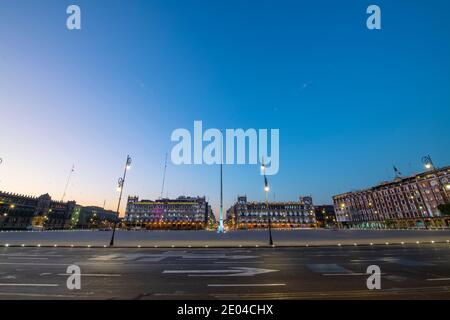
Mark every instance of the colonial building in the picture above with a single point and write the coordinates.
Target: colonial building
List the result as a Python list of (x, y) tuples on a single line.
[(179, 213), (409, 202), (21, 212), (249, 215)]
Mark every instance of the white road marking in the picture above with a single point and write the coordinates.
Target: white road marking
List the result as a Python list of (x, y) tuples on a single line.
[(26, 258), (345, 274), (232, 272), (348, 274), (23, 294), (92, 274), (29, 255), (328, 268), (407, 262), (63, 264), (402, 261), (168, 254), (396, 278), (32, 264), (235, 262), (364, 260), (439, 279), (29, 284), (248, 285)]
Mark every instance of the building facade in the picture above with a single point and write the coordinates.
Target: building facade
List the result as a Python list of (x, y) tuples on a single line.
[(182, 213), (92, 217), (325, 216), (21, 212), (409, 202), (251, 215)]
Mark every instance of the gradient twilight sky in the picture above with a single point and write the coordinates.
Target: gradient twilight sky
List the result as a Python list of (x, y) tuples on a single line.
[(349, 102)]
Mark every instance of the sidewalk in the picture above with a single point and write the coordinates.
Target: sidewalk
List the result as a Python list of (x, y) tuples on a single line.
[(254, 238)]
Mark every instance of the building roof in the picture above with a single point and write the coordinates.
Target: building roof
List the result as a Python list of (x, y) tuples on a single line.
[(397, 181)]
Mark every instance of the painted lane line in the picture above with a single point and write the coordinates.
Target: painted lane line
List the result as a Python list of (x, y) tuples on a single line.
[(347, 274), (23, 294), (91, 274), (198, 271), (327, 268), (26, 258), (33, 264), (168, 254), (248, 285), (232, 272), (439, 279), (396, 278), (407, 262), (29, 285), (29, 255)]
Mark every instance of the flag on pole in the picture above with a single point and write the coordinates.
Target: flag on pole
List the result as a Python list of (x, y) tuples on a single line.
[(397, 172)]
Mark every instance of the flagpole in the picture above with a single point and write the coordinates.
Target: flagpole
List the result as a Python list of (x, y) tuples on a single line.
[(220, 228), (67, 183)]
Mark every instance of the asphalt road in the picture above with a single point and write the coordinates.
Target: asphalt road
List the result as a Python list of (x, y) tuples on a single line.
[(407, 272)]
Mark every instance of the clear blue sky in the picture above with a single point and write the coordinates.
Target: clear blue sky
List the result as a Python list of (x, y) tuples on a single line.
[(349, 102)]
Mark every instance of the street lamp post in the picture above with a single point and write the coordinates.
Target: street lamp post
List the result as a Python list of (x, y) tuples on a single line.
[(428, 163), (266, 191), (120, 185)]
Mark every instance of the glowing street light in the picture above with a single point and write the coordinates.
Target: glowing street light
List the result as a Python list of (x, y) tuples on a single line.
[(444, 185), (121, 183), (428, 163)]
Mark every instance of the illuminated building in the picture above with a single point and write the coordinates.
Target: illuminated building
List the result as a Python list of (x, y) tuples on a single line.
[(409, 202), (180, 213), (250, 215), (21, 212)]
